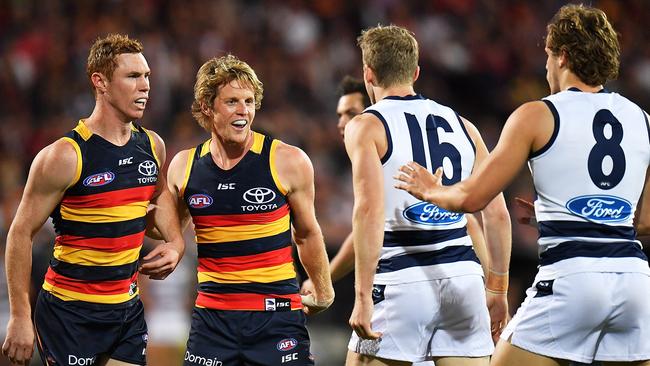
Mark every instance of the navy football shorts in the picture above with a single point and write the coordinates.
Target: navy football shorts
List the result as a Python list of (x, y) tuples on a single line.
[(255, 338), (78, 333)]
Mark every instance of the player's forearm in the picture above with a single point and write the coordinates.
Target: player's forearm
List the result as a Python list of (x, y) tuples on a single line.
[(498, 234), (166, 223), (368, 236), (18, 264), (343, 261), (312, 254)]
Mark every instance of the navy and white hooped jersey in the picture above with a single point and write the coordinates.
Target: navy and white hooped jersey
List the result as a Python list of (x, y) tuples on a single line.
[(588, 179), (423, 241)]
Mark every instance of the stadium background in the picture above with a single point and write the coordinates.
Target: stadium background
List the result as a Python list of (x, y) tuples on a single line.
[(483, 58)]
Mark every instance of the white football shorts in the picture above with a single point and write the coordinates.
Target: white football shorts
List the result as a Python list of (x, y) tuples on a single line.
[(602, 316), (427, 319)]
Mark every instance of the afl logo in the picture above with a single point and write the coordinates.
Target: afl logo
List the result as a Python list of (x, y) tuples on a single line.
[(429, 214), (99, 179), (287, 344), (259, 195), (199, 200), (600, 208), (148, 168)]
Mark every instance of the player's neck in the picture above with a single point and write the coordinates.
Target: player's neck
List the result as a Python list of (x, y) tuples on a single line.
[(570, 80), (226, 154), (395, 91), (106, 123)]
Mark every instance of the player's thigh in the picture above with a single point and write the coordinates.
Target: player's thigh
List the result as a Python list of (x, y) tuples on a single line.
[(356, 359), (462, 361), (505, 354)]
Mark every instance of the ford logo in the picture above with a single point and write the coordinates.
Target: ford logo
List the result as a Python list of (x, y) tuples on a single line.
[(287, 344), (600, 208), (199, 200), (99, 179), (148, 168), (259, 195), (429, 214)]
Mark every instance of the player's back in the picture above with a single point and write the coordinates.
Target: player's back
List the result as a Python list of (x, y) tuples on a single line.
[(589, 178), (421, 240)]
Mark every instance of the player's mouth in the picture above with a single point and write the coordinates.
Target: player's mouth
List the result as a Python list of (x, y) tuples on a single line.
[(141, 102), (239, 124)]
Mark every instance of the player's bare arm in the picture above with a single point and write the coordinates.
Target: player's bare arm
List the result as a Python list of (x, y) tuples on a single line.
[(53, 170), (527, 129), (365, 144), (296, 174), (164, 258), (498, 237)]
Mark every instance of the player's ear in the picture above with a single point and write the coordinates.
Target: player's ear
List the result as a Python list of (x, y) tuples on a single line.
[(368, 75), (99, 82), (416, 74), (206, 110)]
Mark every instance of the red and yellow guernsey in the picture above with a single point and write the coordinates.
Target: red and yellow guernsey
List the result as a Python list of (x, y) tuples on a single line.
[(243, 231), (100, 222)]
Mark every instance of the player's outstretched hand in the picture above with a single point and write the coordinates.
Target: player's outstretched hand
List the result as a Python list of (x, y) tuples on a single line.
[(19, 343), (160, 262), (418, 181), (312, 305), (360, 319), (526, 214)]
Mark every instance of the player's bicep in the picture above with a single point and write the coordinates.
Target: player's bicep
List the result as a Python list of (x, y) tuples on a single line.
[(642, 214)]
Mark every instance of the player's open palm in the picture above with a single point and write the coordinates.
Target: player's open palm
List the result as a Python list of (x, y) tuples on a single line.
[(418, 181), (19, 344), (360, 319)]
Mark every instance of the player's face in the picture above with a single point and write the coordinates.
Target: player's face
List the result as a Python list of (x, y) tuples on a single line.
[(349, 106), (552, 71), (128, 89), (233, 112)]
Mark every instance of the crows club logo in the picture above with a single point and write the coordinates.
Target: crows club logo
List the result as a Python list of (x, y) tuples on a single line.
[(259, 195), (148, 168)]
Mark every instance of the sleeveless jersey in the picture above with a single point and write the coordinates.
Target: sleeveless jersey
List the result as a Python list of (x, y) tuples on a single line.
[(100, 222), (588, 179), (243, 231), (423, 241)]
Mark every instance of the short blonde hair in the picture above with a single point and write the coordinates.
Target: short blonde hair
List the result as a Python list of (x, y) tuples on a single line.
[(103, 54), (214, 74), (391, 52), (589, 41)]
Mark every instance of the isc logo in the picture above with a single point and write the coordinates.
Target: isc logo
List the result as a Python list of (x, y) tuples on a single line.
[(287, 344), (199, 200), (99, 179)]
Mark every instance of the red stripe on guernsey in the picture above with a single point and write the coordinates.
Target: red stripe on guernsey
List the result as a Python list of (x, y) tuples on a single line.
[(253, 302), (242, 219), (110, 199), (105, 244), (244, 262), (100, 288)]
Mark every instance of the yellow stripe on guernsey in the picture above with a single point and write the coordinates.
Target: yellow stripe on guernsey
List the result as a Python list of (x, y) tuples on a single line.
[(87, 257), (258, 143), (153, 143), (83, 131), (77, 173), (260, 275), (188, 169), (223, 234), (130, 211), (274, 171), (67, 295)]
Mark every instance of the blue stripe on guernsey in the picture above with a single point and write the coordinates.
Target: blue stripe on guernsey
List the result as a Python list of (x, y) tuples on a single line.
[(245, 247), (94, 273), (585, 229), (100, 230), (450, 254), (406, 97), (462, 125), (408, 238), (417, 144), (389, 150), (556, 129), (572, 249), (283, 287)]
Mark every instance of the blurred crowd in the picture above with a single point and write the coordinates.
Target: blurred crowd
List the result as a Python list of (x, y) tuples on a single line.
[(482, 57)]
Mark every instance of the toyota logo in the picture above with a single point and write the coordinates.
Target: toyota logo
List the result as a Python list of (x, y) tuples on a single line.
[(148, 168), (259, 195)]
